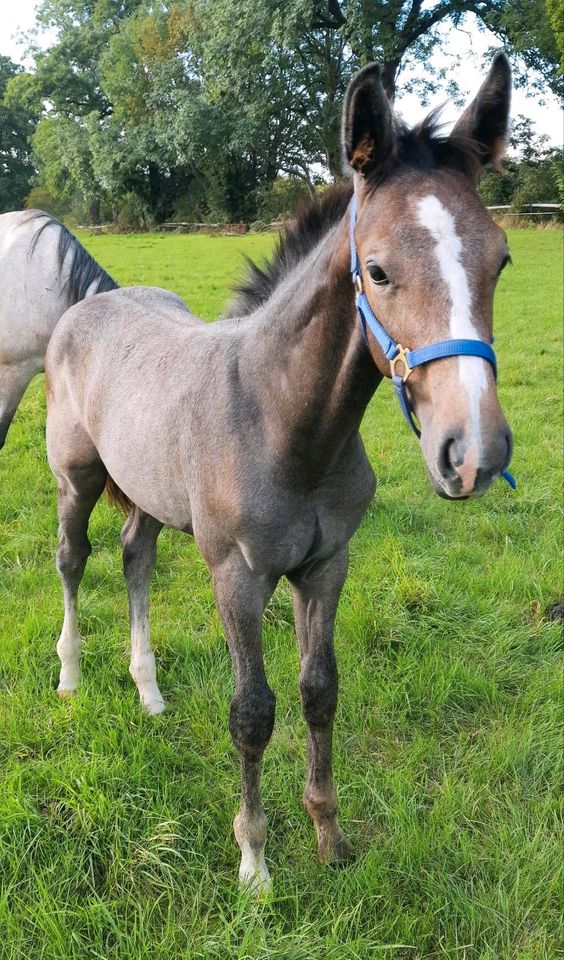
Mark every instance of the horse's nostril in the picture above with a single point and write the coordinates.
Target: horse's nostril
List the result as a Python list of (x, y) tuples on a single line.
[(448, 458)]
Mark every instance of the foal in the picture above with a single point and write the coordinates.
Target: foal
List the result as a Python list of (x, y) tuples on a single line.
[(245, 432), (43, 271)]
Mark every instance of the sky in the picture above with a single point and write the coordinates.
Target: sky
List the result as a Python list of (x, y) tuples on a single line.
[(468, 44)]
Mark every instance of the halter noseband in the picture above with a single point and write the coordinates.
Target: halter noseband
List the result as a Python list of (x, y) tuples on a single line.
[(409, 359)]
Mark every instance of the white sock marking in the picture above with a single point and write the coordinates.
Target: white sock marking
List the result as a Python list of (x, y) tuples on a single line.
[(68, 649), (253, 871), (143, 671)]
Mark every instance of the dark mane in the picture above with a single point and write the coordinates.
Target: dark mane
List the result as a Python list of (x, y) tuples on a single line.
[(84, 269), (427, 147), (314, 218), (423, 147)]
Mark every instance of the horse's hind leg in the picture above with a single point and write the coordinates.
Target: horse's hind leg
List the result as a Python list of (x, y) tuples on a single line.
[(79, 487), (316, 597), (139, 539)]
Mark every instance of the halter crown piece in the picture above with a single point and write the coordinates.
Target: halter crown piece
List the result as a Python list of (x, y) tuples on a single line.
[(409, 359)]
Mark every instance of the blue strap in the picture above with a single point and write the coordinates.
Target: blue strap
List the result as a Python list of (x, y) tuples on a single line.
[(366, 315), (355, 263), (368, 318), (401, 393), (452, 348)]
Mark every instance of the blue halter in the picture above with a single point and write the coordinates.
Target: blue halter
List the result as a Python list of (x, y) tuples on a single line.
[(409, 359)]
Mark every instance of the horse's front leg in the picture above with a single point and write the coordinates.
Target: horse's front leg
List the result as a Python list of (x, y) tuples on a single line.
[(316, 597), (14, 378), (241, 597)]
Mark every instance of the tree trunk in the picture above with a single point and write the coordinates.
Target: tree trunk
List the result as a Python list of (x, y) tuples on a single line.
[(94, 212)]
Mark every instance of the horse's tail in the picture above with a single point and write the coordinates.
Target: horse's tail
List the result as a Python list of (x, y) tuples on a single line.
[(116, 496)]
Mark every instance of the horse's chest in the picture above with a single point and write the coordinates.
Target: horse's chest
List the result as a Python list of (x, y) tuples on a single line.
[(300, 530)]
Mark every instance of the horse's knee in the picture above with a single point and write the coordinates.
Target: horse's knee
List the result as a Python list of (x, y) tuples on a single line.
[(72, 557), (318, 688), (251, 718)]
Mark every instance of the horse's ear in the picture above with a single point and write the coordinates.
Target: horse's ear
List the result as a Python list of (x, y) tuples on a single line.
[(367, 122), (486, 119)]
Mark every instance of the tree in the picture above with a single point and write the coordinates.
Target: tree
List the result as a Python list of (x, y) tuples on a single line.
[(160, 100), (65, 88), (532, 31), (16, 128), (532, 174)]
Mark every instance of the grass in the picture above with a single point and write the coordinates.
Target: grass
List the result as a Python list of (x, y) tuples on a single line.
[(115, 828)]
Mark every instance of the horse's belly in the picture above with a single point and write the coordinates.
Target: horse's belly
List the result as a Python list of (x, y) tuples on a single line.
[(146, 466)]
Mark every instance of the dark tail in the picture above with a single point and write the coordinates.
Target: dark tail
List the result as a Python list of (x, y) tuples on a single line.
[(117, 497)]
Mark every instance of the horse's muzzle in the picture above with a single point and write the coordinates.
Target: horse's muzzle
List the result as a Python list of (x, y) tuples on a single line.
[(466, 468)]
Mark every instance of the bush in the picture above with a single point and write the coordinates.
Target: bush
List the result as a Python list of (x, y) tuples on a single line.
[(191, 206), (537, 184), (132, 214), (40, 199), (280, 200)]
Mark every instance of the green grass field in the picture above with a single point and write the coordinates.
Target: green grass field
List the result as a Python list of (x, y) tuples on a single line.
[(115, 827)]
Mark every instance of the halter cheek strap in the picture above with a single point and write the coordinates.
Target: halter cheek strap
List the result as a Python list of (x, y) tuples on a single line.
[(403, 361)]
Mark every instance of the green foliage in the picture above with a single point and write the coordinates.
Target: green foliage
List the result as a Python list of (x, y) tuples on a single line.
[(189, 98), (116, 828), (556, 20), (281, 200), (16, 128), (39, 198), (532, 30), (536, 184), (532, 174)]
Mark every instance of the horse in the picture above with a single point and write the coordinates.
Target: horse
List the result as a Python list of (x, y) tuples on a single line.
[(245, 432), (43, 271)]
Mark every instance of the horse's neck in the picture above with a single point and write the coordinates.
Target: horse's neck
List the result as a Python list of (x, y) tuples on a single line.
[(316, 375)]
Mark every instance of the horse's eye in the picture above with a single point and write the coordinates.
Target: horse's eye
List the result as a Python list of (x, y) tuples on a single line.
[(377, 275)]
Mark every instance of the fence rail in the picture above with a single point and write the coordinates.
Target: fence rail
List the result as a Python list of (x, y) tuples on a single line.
[(260, 226), (529, 209)]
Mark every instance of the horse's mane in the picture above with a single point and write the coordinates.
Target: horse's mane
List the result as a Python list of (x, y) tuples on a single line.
[(313, 220), (84, 270), (423, 147)]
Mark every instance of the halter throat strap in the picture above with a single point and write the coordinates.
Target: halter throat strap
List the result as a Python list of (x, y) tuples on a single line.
[(403, 361)]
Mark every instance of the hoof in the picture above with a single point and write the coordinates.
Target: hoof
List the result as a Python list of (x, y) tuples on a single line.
[(256, 881), (154, 707), (65, 694), (336, 851)]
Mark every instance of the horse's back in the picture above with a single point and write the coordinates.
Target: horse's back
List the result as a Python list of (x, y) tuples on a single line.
[(118, 368), (126, 327)]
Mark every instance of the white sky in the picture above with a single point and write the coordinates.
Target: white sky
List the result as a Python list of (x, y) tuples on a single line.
[(469, 44)]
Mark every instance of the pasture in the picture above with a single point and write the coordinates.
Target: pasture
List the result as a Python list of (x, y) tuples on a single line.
[(115, 827)]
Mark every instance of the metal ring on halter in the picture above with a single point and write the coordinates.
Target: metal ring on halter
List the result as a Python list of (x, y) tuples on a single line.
[(401, 357)]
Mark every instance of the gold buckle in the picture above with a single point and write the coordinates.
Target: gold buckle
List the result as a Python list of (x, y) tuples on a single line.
[(358, 285), (401, 357)]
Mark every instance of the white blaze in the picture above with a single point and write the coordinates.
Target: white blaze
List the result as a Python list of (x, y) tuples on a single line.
[(435, 217)]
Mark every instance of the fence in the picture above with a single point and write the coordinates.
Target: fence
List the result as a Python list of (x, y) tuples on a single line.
[(530, 210), (260, 226)]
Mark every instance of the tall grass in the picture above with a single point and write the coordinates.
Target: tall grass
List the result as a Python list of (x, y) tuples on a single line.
[(115, 827)]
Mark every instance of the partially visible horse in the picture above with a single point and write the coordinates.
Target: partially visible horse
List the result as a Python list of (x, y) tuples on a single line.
[(245, 432), (43, 271)]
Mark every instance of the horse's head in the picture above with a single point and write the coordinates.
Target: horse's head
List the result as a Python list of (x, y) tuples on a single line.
[(430, 256)]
